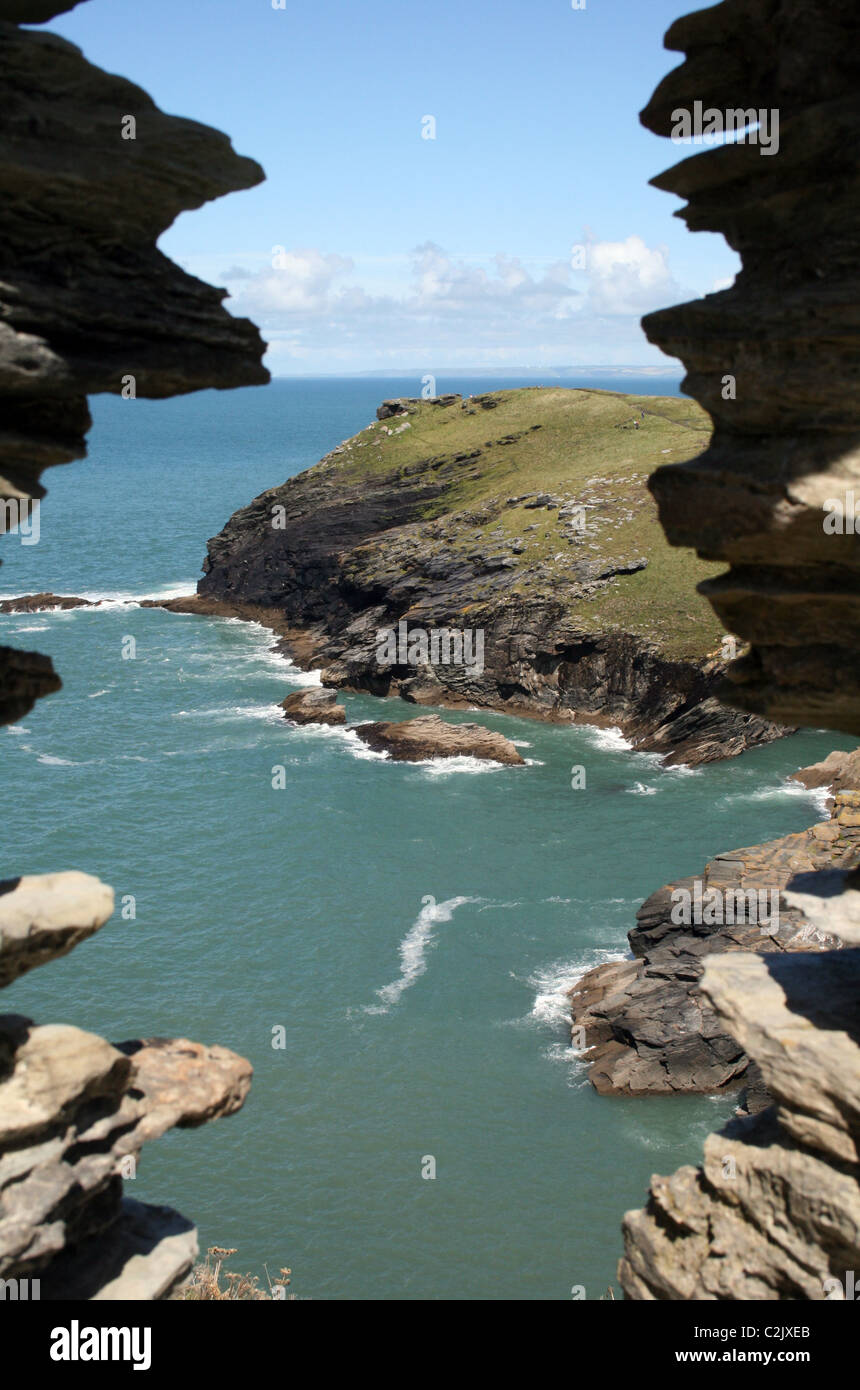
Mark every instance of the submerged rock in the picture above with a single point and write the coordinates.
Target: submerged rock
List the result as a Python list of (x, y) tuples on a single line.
[(415, 740), (43, 603)]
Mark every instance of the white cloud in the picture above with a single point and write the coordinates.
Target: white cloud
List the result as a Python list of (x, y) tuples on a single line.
[(628, 277), (314, 310)]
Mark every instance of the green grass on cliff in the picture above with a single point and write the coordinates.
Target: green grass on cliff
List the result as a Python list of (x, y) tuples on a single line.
[(585, 450)]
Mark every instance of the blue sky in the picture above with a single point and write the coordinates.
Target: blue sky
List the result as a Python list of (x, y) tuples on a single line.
[(413, 253)]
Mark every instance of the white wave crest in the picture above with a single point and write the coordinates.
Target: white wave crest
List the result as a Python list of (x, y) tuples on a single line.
[(551, 1007), (611, 740), (413, 949)]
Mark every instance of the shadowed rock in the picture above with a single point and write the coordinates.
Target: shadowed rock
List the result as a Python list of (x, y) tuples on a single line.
[(774, 1210), (786, 438), (88, 303)]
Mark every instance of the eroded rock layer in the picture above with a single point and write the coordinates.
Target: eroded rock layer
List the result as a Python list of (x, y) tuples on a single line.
[(75, 1111), (91, 174), (775, 359), (774, 1210), (644, 1024)]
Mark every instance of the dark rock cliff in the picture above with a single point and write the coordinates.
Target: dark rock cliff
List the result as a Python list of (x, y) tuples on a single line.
[(774, 1210), (87, 303), (786, 440)]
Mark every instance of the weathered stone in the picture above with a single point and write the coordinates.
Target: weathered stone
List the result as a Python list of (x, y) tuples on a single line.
[(88, 303), (315, 705), (43, 916), (840, 771), (414, 740), (774, 1212), (107, 308), (647, 1028), (786, 439), (182, 1084), (43, 603), (74, 1113), (142, 1256)]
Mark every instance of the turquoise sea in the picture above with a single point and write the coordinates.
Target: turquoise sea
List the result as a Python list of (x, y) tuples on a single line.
[(411, 928)]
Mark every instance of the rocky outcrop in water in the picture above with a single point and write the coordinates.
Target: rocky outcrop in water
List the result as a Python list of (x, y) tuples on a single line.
[(774, 358), (91, 173), (415, 740), (44, 603), (774, 1210), (423, 521), (314, 706), (839, 772)]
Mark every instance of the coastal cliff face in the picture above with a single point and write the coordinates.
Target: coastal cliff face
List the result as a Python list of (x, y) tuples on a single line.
[(519, 515), (87, 303), (646, 1026), (774, 1210), (786, 440)]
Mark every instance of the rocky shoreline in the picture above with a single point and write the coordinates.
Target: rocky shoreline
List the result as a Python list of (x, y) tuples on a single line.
[(644, 1025), (375, 537)]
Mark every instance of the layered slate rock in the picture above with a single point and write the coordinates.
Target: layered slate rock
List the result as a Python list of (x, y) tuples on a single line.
[(87, 301), (314, 706), (416, 740), (75, 1111), (788, 332), (774, 1210), (645, 1026)]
